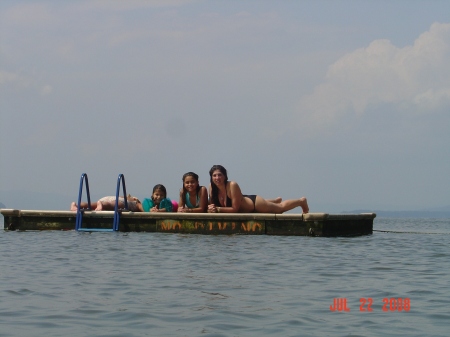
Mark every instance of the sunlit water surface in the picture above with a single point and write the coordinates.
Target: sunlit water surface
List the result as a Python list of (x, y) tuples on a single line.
[(151, 284)]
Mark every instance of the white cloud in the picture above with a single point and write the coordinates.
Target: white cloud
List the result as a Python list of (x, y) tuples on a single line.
[(433, 99), (120, 5), (13, 78), (28, 14), (46, 90), (416, 76), (20, 82)]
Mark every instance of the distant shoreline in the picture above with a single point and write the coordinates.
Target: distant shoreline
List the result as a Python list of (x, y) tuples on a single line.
[(405, 214)]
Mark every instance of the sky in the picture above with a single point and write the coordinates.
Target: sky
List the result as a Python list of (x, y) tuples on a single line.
[(345, 102)]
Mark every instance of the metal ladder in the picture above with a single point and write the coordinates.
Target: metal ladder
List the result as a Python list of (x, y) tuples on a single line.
[(117, 210)]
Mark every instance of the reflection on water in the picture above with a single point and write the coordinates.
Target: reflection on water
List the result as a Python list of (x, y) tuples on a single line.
[(153, 284)]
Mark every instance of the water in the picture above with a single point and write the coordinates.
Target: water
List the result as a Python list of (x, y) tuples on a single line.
[(153, 284)]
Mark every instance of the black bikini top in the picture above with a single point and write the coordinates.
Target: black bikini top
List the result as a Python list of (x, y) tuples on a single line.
[(228, 202)]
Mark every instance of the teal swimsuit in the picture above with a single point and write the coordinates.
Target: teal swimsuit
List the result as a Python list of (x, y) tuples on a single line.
[(148, 204), (188, 202)]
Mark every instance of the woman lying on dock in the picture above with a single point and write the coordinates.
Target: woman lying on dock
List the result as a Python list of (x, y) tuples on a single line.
[(109, 204), (226, 197)]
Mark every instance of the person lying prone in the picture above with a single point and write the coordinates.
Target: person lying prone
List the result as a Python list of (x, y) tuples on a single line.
[(109, 203)]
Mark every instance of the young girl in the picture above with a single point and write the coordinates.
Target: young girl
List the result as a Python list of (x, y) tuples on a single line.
[(159, 201), (109, 204), (193, 197)]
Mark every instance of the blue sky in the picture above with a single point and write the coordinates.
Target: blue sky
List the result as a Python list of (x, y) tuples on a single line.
[(344, 102)]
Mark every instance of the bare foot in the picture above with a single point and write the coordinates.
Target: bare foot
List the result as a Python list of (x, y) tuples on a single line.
[(304, 205), (73, 206)]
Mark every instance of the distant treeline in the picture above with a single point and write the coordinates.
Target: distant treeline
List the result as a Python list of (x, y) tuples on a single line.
[(406, 214)]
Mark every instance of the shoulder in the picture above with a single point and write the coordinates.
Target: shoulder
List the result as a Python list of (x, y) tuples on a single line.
[(233, 186), (147, 204), (202, 190), (167, 204)]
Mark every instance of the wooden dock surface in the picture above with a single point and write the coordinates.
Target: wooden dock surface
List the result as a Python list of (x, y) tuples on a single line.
[(311, 224)]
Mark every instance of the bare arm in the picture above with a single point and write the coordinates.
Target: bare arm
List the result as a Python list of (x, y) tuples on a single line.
[(236, 199), (210, 194), (203, 204), (180, 203), (203, 200)]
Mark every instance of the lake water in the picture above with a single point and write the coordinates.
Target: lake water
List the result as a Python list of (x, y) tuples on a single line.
[(153, 284)]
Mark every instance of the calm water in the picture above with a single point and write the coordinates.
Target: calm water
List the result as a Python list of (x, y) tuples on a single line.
[(145, 284)]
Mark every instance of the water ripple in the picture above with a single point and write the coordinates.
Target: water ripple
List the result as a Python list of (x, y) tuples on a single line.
[(155, 284)]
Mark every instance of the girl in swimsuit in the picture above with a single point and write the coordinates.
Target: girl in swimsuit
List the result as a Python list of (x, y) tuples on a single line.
[(226, 197), (159, 201), (193, 197)]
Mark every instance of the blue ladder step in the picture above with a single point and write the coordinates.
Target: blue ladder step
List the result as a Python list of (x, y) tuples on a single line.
[(95, 230)]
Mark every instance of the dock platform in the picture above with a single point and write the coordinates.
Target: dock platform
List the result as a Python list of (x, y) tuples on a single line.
[(311, 224)]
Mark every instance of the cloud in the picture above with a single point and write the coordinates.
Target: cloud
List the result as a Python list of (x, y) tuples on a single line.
[(27, 14), (13, 78), (415, 77), (120, 5), (19, 82), (46, 90), (433, 99)]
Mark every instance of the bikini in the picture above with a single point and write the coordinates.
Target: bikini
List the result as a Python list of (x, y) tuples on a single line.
[(228, 202), (252, 197), (188, 201)]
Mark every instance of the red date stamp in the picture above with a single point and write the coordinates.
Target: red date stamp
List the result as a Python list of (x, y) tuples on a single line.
[(389, 304)]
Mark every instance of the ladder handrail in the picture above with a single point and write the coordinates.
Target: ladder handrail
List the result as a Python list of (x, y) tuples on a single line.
[(79, 218), (117, 210), (121, 178)]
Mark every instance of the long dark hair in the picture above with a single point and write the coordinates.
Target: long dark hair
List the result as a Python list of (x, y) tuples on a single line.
[(214, 188), (183, 194)]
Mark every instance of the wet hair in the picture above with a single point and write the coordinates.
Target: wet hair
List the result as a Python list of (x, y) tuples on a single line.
[(161, 188), (183, 193), (214, 189)]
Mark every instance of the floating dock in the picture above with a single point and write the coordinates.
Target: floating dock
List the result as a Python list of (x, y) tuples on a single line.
[(311, 224)]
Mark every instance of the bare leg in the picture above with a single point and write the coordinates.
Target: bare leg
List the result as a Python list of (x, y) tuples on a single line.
[(276, 200), (264, 206), (108, 205), (83, 205), (287, 205), (304, 205)]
